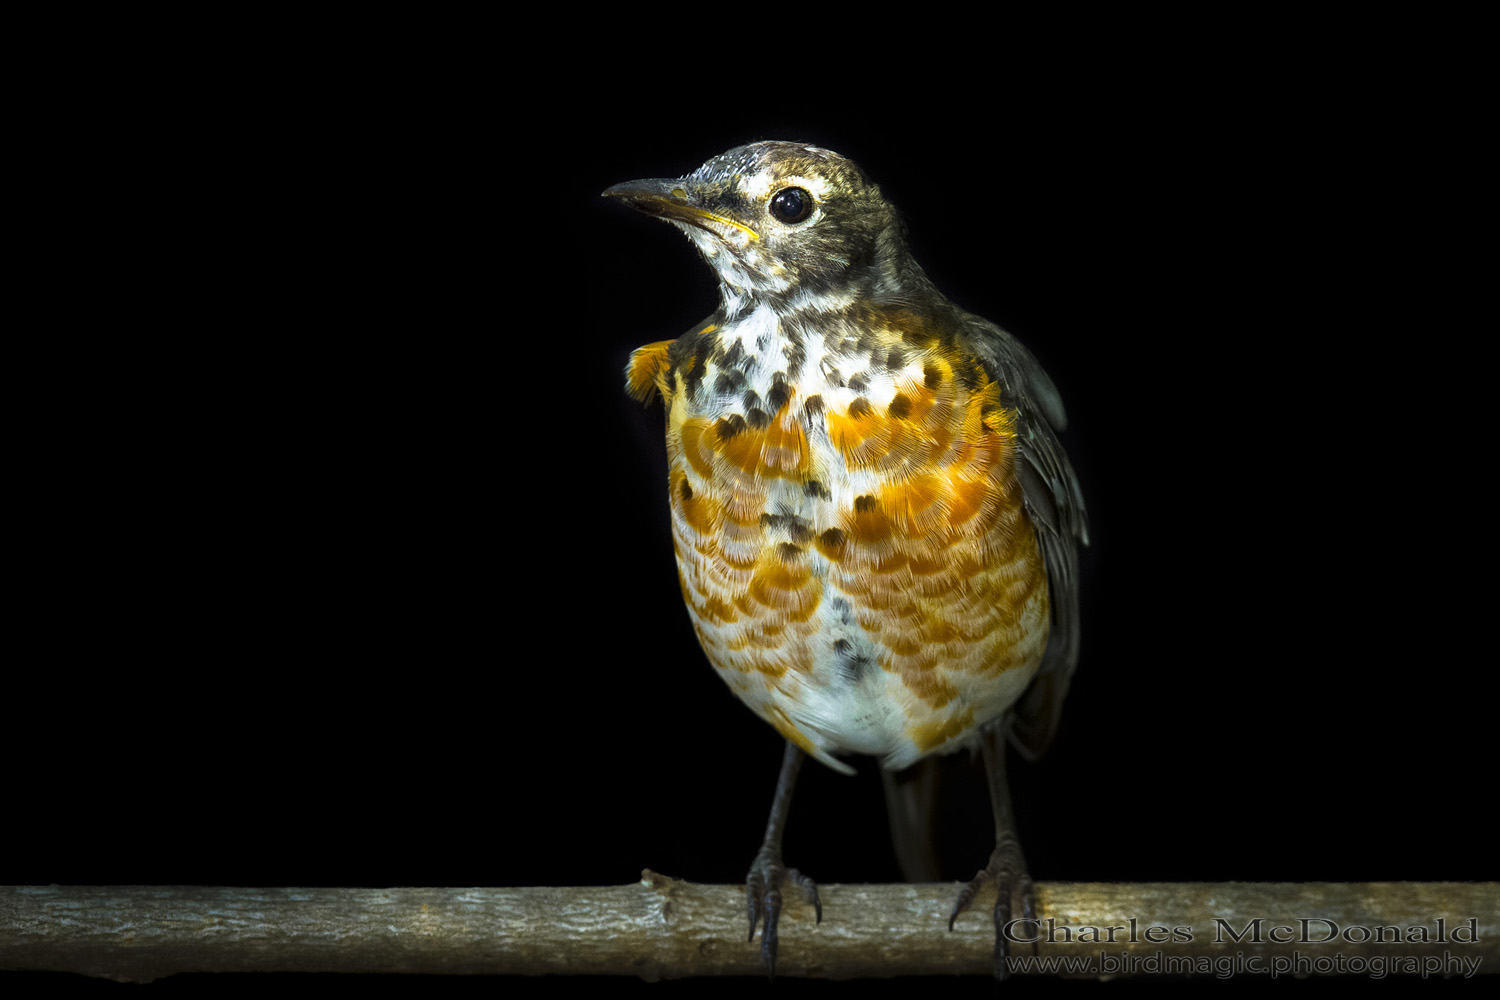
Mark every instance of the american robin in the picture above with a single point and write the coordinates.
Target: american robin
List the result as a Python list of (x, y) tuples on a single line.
[(876, 528)]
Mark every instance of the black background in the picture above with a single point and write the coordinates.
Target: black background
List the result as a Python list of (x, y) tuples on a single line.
[(353, 559)]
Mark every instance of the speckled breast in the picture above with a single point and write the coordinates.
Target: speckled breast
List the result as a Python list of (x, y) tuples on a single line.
[(850, 538)]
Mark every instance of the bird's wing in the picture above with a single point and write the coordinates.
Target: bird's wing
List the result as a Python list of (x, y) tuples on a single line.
[(1054, 503)]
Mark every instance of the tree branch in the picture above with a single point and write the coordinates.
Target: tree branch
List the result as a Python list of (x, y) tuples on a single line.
[(661, 928)]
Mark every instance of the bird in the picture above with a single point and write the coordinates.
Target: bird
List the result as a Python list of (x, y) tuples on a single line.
[(876, 527)]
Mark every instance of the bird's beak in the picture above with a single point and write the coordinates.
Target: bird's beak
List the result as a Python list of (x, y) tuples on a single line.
[(677, 201)]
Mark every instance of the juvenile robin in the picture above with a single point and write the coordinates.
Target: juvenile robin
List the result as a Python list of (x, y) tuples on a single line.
[(876, 528)]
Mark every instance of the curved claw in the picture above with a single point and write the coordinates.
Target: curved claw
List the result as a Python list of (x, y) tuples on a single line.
[(763, 903), (811, 888), (1007, 870), (755, 887), (966, 894)]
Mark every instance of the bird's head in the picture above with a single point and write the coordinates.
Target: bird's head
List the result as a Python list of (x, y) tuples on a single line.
[(778, 218)]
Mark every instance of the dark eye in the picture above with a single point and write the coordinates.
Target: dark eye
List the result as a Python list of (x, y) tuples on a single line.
[(791, 205)]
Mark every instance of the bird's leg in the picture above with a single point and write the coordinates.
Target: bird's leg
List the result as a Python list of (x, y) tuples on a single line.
[(763, 884), (1007, 867)]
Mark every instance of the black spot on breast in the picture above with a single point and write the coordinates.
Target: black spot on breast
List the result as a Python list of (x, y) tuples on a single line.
[(813, 406), (690, 353), (788, 553), (684, 490), (860, 407), (692, 375), (796, 356), (900, 407), (800, 529), (865, 503), (752, 399), (734, 355), (852, 661), (779, 394), (859, 382), (990, 417), (728, 427), (895, 359), (932, 376), (831, 374), (757, 418), (728, 382), (813, 488)]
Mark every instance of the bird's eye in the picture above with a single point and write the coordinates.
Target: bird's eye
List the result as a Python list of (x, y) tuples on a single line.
[(791, 205)]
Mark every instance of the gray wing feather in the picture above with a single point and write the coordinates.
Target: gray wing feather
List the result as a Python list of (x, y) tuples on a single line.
[(1054, 503)]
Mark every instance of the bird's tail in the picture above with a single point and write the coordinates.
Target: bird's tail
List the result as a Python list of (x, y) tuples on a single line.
[(910, 800)]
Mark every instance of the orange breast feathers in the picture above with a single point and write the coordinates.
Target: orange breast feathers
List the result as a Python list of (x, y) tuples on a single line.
[(903, 520)]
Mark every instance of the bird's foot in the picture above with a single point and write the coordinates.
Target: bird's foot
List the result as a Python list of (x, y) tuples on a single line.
[(1015, 891), (763, 897)]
